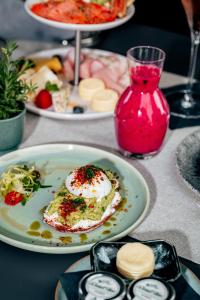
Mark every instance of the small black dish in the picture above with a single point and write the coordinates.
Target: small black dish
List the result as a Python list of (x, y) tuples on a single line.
[(167, 267)]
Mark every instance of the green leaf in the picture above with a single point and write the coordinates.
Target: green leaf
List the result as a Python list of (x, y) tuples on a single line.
[(51, 87), (23, 202), (45, 186)]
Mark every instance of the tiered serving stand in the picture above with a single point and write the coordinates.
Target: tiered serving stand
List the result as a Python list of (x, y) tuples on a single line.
[(78, 28)]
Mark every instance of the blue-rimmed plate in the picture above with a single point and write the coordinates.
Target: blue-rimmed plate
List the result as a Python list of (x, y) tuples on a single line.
[(55, 161)]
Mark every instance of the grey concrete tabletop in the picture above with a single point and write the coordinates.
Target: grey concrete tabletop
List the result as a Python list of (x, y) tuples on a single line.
[(174, 213)]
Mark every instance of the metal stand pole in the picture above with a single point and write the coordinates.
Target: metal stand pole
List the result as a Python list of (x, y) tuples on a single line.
[(77, 57)]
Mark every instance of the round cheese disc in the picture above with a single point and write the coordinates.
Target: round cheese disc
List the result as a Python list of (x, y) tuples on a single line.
[(90, 86), (104, 100), (135, 260)]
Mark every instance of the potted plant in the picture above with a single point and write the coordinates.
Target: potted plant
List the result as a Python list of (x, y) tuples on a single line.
[(13, 94)]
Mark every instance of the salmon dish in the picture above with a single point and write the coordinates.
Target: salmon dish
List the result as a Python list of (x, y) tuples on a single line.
[(81, 11)]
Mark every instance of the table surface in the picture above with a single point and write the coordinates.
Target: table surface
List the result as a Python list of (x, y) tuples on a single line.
[(173, 214)]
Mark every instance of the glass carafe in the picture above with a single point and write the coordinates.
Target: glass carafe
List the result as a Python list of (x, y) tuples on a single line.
[(142, 112)]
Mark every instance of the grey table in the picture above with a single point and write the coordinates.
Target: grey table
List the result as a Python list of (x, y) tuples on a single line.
[(173, 215)]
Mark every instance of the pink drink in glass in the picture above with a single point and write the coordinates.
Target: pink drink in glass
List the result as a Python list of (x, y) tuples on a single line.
[(142, 113)]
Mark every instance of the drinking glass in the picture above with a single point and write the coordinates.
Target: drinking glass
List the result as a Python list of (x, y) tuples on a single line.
[(142, 112), (185, 102)]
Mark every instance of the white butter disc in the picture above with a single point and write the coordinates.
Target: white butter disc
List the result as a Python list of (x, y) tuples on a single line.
[(135, 260), (104, 100), (90, 86)]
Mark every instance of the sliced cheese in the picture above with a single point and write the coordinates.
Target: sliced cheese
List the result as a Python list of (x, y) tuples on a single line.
[(60, 99), (40, 78), (135, 260), (89, 87), (104, 100)]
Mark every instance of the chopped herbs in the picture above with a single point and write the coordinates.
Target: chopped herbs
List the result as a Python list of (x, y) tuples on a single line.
[(90, 173), (61, 194), (78, 201), (83, 208)]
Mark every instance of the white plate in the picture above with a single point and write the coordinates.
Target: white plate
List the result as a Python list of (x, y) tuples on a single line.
[(88, 114), (81, 27)]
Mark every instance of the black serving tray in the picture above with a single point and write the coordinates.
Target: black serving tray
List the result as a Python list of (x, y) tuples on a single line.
[(167, 267)]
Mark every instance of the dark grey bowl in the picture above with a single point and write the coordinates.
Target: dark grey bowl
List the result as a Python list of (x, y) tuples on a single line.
[(188, 160), (167, 267)]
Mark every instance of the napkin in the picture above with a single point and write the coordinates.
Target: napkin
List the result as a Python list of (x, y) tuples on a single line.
[(177, 122), (70, 281)]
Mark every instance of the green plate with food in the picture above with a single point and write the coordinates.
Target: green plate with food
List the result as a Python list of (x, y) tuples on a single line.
[(63, 198)]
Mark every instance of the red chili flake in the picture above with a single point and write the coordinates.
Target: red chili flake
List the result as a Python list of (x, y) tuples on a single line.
[(71, 205), (85, 175), (91, 206), (67, 208), (13, 198)]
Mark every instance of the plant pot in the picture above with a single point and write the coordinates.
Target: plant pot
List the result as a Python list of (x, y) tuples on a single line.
[(11, 131)]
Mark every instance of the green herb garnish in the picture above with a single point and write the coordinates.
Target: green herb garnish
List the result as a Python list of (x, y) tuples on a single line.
[(78, 201), (13, 91), (51, 87), (62, 194), (89, 173), (83, 208)]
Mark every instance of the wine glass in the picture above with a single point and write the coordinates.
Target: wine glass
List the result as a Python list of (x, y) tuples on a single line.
[(185, 102)]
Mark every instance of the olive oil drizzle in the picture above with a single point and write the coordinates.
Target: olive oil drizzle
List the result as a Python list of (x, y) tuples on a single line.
[(83, 237), (35, 225), (66, 239), (106, 232)]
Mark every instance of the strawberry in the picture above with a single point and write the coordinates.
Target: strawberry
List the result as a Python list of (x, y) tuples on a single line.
[(43, 99)]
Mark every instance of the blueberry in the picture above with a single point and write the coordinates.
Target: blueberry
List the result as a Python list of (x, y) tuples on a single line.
[(78, 110)]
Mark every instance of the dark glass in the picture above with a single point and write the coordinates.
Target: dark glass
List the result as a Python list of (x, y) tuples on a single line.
[(185, 102)]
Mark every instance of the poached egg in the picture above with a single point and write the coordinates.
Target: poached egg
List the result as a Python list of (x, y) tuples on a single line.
[(79, 185)]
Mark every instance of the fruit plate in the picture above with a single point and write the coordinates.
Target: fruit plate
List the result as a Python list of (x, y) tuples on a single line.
[(88, 113), (55, 161), (81, 27)]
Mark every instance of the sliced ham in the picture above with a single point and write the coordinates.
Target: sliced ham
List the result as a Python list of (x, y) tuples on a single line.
[(111, 69), (124, 80), (96, 65), (85, 68), (68, 70), (105, 75)]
